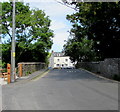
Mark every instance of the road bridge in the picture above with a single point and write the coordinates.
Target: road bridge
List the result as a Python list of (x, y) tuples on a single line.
[(62, 89)]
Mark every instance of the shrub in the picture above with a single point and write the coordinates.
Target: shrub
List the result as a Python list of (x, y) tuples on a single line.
[(116, 77)]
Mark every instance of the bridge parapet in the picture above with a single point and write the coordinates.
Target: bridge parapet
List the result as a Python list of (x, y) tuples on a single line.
[(108, 68), (26, 68)]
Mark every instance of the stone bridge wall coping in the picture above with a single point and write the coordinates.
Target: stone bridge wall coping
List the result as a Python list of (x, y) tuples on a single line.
[(31, 63), (108, 68), (29, 67)]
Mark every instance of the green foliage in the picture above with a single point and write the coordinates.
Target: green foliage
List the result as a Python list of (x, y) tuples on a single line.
[(47, 59), (99, 21), (33, 35), (80, 51), (0, 64), (28, 73), (6, 48)]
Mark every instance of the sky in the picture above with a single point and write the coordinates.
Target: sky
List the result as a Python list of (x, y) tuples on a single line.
[(57, 13)]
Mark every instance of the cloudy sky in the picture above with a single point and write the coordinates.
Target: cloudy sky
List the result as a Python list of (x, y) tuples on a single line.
[(57, 13)]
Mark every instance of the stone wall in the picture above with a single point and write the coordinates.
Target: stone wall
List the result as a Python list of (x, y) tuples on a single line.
[(29, 67), (107, 68), (91, 66)]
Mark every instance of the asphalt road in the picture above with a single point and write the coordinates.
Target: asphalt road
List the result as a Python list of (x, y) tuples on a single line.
[(0, 97), (65, 89)]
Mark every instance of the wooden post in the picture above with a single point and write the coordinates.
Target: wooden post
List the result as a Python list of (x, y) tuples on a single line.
[(15, 74), (20, 70), (8, 73)]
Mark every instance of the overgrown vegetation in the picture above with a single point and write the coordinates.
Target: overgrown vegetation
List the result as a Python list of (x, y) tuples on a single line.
[(28, 73), (80, 50)]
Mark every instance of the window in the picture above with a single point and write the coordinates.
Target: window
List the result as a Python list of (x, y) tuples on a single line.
[(58, 59), (66, 59), (57, 65)]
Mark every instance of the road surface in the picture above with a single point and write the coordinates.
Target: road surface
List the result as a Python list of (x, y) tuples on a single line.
[(62, 89)]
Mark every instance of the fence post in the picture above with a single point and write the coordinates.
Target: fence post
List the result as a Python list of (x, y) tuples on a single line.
[(20, 70), (8, 73), (15, 73)]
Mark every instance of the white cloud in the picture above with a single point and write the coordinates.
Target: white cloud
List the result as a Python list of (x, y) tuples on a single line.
[(52, 8), (58, 25), (57, 14), (44, 1), (61, 36), (59, 40)]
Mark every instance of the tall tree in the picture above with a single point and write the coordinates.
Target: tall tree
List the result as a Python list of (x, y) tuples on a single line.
[(80, 51), (33, 35), (99, 21)]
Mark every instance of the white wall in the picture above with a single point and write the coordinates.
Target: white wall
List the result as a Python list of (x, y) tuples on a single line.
[(63, 62)]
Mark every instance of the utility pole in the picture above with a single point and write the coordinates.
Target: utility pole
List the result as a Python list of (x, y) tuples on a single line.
[(13, 45)]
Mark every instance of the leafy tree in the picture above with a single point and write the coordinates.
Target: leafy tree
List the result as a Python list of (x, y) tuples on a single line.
[(33, 35), (22, 16), (99, 21), (80, 51)]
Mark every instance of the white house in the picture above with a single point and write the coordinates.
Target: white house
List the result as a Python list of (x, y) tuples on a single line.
[(59, 60)]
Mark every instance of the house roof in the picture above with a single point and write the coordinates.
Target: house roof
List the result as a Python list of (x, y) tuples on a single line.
[(58, 54)]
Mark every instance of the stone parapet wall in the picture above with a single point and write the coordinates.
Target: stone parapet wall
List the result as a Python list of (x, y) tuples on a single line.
[(107, 68), (110, 67), (29, 67), (91, 66)]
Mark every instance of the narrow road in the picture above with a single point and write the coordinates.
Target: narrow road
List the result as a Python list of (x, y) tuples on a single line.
[(0, 98), (64, 89)]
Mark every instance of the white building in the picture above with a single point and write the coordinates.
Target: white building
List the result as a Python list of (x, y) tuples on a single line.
[(59, 60)]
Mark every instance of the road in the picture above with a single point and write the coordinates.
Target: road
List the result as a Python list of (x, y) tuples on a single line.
[(62, 89)]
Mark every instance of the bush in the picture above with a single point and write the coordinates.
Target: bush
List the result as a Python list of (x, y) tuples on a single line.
[(27, 73), (116, 77)]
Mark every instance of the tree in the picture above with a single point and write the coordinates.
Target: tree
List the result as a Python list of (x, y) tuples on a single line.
[(33, 35), (99, 21), (22, 15), (80, 51)]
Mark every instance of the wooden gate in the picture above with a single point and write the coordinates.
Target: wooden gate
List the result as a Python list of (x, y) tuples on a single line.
[(6, 75)]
